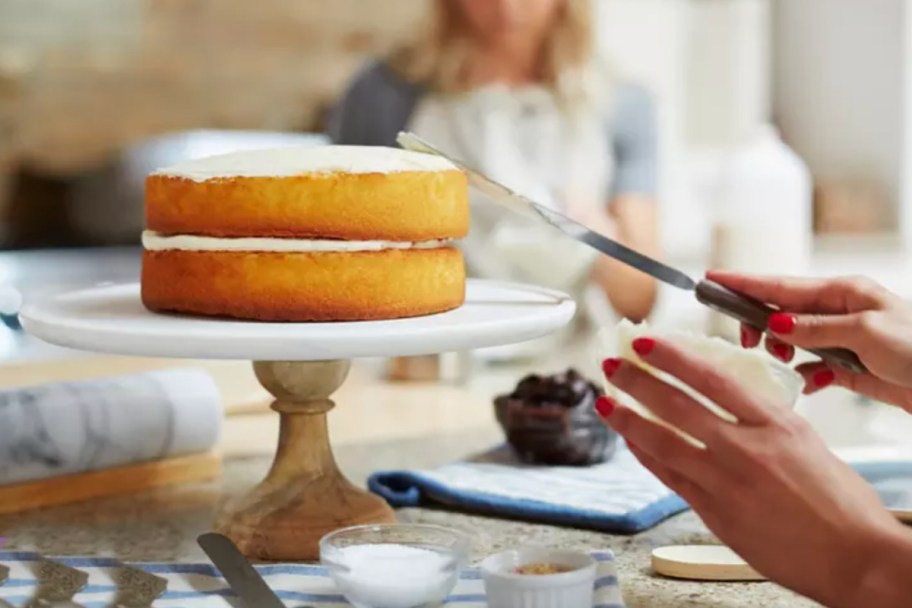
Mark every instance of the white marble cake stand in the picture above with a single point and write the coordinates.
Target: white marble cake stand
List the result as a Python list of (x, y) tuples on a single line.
[(301, 364)]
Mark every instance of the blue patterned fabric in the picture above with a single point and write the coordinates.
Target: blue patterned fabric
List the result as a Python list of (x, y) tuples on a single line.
[(201, 585), (617, 496)]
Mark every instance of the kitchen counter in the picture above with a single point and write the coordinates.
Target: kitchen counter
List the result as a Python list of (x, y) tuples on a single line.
[(162, 525), (377, 426)]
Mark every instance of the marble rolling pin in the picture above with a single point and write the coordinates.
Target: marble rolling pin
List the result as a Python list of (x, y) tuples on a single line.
[(109, 431)]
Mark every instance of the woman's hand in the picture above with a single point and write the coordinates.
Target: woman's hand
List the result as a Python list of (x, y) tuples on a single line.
[(852, 313), (766, 486)]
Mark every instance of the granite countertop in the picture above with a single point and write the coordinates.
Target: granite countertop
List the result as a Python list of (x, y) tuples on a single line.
[(163, 525)]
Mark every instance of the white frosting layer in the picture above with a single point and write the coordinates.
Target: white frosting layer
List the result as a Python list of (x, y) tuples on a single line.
[(769, 380), (298, 160), (154, 241)]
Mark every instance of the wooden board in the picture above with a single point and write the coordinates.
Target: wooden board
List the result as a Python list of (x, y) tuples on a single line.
[(702, 563), (121, 480), (903, 515), (717, 562)]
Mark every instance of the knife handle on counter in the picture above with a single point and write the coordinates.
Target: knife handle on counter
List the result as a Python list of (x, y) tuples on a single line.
[(752, 312)]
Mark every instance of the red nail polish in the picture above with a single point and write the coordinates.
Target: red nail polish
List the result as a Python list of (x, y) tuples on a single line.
[(744, 342), (610, 366), (783, 352), (604, 406), (824, 377), (643, 346), (781, 323)]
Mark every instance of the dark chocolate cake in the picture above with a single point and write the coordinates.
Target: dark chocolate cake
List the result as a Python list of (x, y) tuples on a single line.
[(552, 420)]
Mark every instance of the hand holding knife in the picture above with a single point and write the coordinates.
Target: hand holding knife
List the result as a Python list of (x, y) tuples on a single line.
[(738, 306)]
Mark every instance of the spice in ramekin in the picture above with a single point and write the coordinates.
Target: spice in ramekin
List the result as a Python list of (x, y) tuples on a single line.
[(542, 569)]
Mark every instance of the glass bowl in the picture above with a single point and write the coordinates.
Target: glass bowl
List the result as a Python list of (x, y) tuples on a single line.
[(395, 565)]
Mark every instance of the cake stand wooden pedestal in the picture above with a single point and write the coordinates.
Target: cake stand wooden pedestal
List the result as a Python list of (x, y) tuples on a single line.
[(304, 495)]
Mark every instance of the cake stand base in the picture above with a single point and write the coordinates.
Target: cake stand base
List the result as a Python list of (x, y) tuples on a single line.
[(304, 496)]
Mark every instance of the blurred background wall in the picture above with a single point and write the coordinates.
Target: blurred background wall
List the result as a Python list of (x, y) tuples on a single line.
[(80, 82), (81, 79), (841, 77)]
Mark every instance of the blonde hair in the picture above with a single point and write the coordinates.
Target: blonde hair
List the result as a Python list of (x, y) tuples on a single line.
[(440, 55)]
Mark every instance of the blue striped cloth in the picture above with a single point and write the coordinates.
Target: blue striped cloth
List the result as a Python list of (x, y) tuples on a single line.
[(618, 496), (201, 585)]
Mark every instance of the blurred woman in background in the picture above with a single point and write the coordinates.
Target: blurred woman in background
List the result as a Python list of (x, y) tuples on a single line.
[(514, 88)]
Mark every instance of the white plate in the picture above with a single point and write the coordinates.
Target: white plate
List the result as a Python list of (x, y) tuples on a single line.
[(112, 319)]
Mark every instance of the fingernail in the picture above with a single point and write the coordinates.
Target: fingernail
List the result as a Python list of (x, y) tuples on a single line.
[(643, 346), (824, 377), (781, 323), (604, 406), (610, 366), (783, 352), (744, 338)]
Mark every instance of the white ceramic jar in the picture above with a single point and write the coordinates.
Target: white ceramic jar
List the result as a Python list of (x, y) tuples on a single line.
[(764, 211), (505, 588)]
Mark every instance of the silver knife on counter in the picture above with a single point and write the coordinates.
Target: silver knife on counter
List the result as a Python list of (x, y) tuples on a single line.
[(242, 577), (735, 305)]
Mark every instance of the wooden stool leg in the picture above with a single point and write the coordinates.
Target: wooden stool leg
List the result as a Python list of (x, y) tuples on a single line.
[(304, 495)]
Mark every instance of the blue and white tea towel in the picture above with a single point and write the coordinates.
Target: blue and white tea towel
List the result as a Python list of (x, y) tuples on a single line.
[(201, 585), (617, 496)]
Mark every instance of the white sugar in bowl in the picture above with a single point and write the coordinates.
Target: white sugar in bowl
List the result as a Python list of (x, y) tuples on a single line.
[(395, 565)]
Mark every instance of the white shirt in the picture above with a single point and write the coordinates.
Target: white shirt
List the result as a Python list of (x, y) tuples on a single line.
[(525, 140)]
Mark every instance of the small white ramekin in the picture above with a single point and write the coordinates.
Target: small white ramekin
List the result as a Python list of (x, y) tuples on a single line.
[(505, 588)]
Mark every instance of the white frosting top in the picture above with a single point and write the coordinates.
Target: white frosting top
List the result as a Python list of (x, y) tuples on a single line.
[(154, 241), (298, 160)]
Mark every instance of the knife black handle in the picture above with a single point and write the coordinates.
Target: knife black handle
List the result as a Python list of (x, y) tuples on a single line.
[(756, 314)]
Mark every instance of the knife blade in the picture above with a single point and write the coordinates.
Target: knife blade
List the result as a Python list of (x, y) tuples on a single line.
[(717, 297), (242, 577), (524, 206)]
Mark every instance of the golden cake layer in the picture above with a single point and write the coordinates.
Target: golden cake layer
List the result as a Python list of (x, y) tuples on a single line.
[(329, 286), (395, 206)]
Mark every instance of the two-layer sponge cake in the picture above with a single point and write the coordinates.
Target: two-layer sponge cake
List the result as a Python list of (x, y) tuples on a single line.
[(330, 233)]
